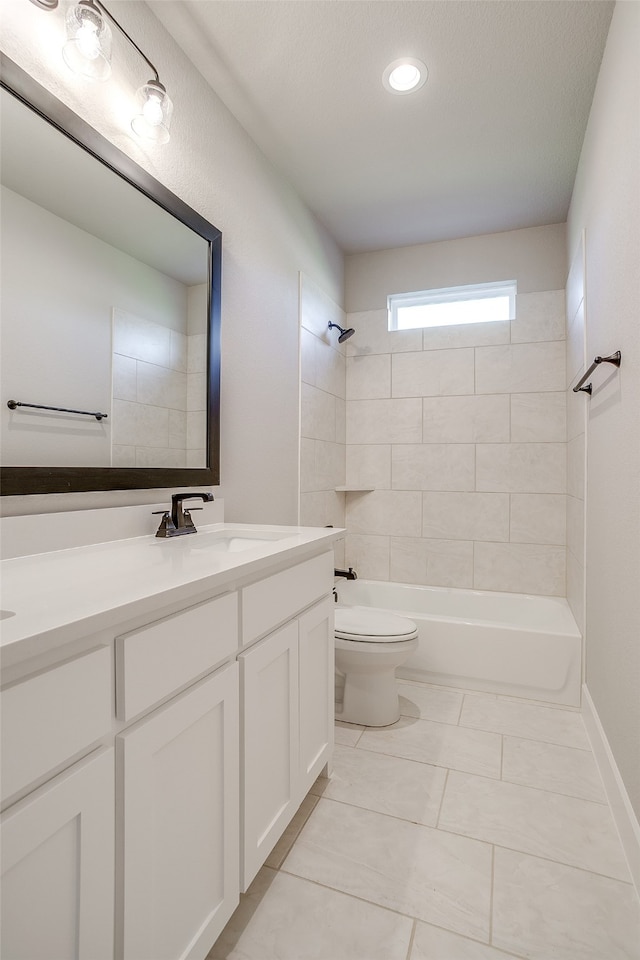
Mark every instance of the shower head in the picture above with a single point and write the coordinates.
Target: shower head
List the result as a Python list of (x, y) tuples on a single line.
[(344, 334)]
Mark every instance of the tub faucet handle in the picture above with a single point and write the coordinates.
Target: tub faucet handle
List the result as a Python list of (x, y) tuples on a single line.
[(349, 574)]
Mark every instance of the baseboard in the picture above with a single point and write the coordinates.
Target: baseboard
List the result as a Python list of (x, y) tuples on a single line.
[(623, 813)]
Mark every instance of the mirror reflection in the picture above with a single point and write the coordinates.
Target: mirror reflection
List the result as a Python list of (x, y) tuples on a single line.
[(105, 304)]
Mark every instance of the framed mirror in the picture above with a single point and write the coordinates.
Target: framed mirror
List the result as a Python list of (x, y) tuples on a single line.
[(110, 321)]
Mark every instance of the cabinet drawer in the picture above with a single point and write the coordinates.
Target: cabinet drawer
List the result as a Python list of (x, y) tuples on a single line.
[(162, 657), (48, 718), (270, 602)]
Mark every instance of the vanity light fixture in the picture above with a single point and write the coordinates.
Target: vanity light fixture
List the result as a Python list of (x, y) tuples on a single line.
[(87, 51), (405, 75)]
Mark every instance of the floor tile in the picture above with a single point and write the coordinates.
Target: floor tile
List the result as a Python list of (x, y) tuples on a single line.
[(347, 733), (429, 703), (473, 751), (525, 720), (432, 943), (418, 871), (551, 767), (576, 832), (546, 910), (400, 788), (285, 918), (286, 841)]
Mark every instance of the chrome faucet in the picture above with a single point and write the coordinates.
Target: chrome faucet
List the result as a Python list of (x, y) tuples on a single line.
[(179, 522)]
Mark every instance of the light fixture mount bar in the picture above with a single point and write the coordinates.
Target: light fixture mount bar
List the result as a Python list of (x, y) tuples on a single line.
[(101, 7)]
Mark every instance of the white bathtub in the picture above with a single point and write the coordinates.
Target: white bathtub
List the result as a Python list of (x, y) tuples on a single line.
[(508, 643)]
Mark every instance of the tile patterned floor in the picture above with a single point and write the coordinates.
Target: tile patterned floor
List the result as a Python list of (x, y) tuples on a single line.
[(475, 828)]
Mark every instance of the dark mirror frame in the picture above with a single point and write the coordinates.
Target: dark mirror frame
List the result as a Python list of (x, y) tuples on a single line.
[(20, 481)]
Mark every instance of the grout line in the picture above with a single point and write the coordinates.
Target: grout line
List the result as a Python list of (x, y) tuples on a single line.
[(444, 790), (491, 889), (411, 939)]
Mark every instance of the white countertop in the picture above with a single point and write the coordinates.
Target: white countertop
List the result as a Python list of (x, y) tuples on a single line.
[(62, 595)]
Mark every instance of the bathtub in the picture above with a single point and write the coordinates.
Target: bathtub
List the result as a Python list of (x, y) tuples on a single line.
[(506, 643)]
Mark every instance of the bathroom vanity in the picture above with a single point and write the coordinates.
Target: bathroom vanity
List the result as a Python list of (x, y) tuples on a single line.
[(166, 706)]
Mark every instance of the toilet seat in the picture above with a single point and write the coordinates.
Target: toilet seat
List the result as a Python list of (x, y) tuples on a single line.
[(364, 625)]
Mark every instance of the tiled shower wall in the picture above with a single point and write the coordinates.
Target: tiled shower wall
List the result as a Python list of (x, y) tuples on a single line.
[(461, 432), (322, 428), (577, 406)]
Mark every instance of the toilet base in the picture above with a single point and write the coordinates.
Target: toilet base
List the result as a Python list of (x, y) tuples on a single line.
[(374, 703)]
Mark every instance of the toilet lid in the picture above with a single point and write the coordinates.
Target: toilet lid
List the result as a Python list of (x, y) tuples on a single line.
[(379, 626)]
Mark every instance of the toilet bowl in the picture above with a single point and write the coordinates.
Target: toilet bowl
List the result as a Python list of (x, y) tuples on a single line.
[(369, 645)]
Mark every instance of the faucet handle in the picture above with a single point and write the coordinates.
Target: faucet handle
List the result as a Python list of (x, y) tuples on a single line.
[(167, 526)]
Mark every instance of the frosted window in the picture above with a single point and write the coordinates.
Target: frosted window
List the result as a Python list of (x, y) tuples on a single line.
[(477, 303)]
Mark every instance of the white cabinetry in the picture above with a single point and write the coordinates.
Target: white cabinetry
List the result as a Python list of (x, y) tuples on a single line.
[(179, 846), (57, 867), (287, 727), (141, 800)]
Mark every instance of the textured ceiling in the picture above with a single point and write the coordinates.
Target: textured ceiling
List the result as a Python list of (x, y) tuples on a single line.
[(490, 143)]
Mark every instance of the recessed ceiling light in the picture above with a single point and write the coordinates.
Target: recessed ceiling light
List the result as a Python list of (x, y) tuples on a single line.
[(405, 75)]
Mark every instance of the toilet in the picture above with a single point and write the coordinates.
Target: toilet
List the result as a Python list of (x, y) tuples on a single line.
[(369, 645)]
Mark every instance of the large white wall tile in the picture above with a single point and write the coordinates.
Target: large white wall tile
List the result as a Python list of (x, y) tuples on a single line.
[(539, 316), (124, 372), (577, 407), (161, 387), (466, 335), (137, 424), (540, 417), (521, 467), (384, 421), (576, 467), (521, 368), (318, 414), (341, 421), (322, 508), (538, 518), (141, 339), (438, 563), (576, 347), (385, 512), (575, 589), (368, 555), (373, 335), (179, 351), (473, 419), (433, 373), (369, 465), (520, 568), (433, 466), (575, 527), (465, 516), (178, 429), (369, 378)]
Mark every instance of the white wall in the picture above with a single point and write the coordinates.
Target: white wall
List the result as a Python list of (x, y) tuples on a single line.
[(536, 256), (606, 204), (268, 237)]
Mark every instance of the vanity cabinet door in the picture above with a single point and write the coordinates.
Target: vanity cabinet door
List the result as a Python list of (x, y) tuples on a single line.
[(316, 691), (58, 867), (269, 673), (179, 846)]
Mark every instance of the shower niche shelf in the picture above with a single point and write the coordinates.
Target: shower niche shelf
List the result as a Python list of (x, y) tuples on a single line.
[(350, 489)]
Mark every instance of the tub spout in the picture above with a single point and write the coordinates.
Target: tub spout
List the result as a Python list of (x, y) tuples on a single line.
[(349, 574)]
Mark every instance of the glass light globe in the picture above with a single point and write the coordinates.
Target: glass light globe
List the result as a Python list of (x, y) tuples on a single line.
[(156, 108), (87, 50)]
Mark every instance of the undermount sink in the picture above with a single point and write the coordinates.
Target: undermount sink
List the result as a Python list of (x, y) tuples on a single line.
[(234, 541)]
